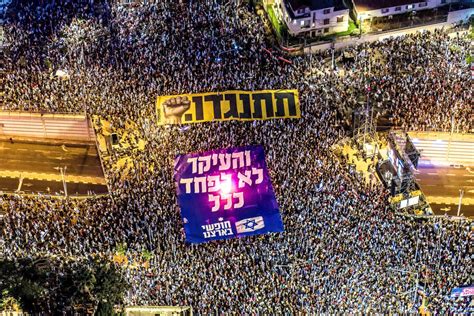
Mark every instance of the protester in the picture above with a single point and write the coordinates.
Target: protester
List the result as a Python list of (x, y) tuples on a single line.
[(343, 249)]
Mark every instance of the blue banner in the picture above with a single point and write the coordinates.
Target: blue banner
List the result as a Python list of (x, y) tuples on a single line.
[(226, 193)]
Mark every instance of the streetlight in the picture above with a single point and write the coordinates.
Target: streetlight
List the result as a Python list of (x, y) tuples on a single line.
[(461, 194), (62, 171), (333, 48), (20, 183)]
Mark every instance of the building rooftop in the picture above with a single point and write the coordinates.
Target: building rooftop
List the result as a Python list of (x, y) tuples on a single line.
[(368, 5), (316, 4)]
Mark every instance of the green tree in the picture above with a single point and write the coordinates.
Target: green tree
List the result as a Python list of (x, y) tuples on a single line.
[(352, 10), (44, 285), (24, 281)]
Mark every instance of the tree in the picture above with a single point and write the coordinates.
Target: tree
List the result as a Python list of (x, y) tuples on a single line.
[(352, 10), (9, 303), (57, 285), (23, 281)]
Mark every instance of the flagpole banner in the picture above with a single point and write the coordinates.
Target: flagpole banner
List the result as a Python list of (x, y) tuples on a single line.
[(226, 193), (228, 105)]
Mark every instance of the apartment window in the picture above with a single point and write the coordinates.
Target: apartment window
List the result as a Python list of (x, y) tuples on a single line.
[(423, 4), (410, 6), (443, 1), (314, 17), (385, 10), (340, 19), (326, 11), (326, 21), (398, 8), (326, 30), (305, 24)]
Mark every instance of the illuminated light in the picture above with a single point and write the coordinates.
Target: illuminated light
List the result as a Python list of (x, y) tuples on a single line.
[(226, 187), (415, 140)]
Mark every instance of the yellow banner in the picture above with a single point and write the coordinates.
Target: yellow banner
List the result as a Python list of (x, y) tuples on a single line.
[(228, 105)]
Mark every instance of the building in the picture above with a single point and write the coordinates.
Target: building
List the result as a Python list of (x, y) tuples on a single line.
[(312, 17), (367, 9), (323, 17)]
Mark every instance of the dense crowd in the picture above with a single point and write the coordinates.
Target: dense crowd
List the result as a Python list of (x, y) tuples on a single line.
[(343, 249)]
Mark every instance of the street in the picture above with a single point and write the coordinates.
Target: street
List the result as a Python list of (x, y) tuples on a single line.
[(441, 185), (39, 165)]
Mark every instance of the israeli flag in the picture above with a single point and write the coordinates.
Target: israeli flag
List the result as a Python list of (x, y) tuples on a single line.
[(248, 225)]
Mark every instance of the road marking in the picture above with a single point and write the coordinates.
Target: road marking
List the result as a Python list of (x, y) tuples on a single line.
[(432, 174), (451, 174)]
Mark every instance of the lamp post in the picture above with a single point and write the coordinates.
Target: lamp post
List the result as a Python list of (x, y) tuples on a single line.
[(461, 194), (62, 171), (333, 48)]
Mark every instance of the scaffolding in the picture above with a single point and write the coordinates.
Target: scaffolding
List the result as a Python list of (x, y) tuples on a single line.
[(365, 130)]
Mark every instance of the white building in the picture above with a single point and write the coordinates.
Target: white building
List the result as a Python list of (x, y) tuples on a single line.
[(367, 9), (312, 17)]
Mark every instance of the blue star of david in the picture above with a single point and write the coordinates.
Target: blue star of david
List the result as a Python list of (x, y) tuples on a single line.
[(250, 224)]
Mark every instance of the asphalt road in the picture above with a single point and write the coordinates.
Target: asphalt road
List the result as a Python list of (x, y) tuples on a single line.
[(42, 158), (442, 209), (80, 160), (445, 182)]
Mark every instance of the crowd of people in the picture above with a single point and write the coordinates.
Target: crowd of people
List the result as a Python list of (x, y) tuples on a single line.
[(343, 250)]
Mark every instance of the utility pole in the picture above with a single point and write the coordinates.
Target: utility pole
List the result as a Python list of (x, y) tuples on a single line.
[(452, 124), (416, 291), (20, 183), (62, 171), (332, 58), (416, 281), (63, 175), (461, 194)]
